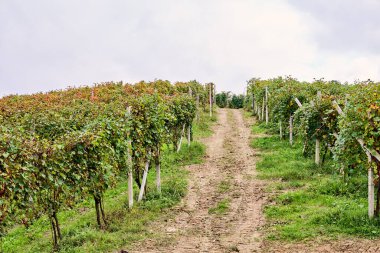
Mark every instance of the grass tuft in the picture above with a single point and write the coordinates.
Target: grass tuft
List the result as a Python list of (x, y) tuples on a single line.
[(221, 208), (224, 186)]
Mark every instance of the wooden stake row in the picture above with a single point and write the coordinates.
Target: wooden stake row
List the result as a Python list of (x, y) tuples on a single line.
[(146, 169), (370, 154), (317, 141)]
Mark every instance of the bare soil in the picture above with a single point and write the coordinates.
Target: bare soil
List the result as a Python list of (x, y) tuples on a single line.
[(229, 174)]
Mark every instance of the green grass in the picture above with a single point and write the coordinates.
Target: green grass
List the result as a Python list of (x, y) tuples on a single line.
[(221, 208), (79, 227), (310, 201), (202, 128), (247, 114), (224, 186)]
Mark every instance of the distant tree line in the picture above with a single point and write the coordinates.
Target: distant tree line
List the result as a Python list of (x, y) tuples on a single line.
[(229, 100)]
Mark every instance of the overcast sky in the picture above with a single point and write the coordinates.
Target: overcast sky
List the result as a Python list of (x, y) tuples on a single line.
[(52, 44)]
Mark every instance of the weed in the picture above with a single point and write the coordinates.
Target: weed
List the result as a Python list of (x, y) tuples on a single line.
[(221, 208), (224, 186)]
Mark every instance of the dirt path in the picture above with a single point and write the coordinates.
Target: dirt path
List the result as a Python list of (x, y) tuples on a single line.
[(227, 177)]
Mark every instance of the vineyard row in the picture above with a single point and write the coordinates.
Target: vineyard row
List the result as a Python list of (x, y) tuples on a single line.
[(329, 117), (60, 147)]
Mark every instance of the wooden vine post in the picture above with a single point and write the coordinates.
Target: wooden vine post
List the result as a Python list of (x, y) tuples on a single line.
[(317, 152), (189, 126), (180, 139), (143, 183), (197, 108), (291, 130), (281, 134), (253, 103), (263, 109), (158, 171), (210, 98), (254, 106), (130, 176), (305, 142), (189, 135), (370, 154), (371, 187), (266, 106), (291, 123), (317, 141)]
